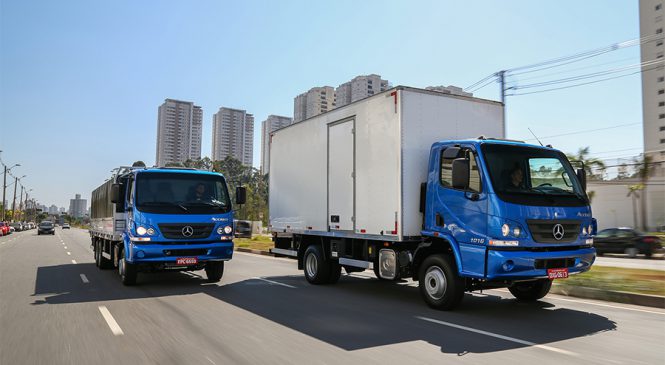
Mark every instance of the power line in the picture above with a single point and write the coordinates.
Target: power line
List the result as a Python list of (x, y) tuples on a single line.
[(575, 85), (585, 131), (575, 69), (480, 81)]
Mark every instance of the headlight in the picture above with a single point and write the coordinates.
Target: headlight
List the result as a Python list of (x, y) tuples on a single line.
[(590, 229), (151, 231), (584, 231), (228, 229), (220, 230), (517, 231), (141, 231), (505, 229)]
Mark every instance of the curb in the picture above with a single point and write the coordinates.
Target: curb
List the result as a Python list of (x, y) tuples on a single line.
[(646, 300), (256, 252)]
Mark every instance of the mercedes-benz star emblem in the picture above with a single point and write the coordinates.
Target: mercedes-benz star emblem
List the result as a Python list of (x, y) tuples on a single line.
[(187, 231), (558, 232)]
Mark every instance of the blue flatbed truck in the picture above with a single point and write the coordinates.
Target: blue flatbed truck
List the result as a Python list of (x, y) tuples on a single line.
[(163, 219), (390, 186)]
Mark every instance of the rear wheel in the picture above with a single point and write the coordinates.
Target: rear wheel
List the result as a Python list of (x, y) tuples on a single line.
[(439, 284), (317, 270), (214, 271), (531, 290), (101, 261)]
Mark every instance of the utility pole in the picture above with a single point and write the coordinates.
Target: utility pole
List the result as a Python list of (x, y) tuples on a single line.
[(20, 204), (14, 201), (4, 188), (502, 81)]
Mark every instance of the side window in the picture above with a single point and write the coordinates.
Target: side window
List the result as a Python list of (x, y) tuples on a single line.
[(130, 191), (446, 171)]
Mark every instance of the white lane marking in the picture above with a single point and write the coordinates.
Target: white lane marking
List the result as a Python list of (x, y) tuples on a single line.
[(113, 325), (275, 282), (69, 253), (74, 262), (506, 338), (212, 362), (264, 256), (592, 303), (84, 279), (65, 247)]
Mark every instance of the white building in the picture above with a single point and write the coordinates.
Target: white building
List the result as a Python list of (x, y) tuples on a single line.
[(313, 102), (233, 135), (360, 87), (273, 123), (53, 209), (77, 207), (179, 129)]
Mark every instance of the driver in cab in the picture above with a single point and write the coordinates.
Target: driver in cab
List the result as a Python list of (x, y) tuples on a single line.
[(198, 193)]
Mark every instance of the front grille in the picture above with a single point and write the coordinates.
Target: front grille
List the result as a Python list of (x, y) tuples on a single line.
[(554, 263), (543, 230), (175, 230), (186, 252)]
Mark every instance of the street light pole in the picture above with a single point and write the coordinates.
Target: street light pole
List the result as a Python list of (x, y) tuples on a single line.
[(20, 204), (14, 201), (4, 188)]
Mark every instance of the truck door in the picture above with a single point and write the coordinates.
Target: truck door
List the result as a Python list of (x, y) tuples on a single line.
[(462, 213), (341, 179)]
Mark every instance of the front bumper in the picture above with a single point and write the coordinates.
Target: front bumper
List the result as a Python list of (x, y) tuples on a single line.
[(154, 253), (524, 265)]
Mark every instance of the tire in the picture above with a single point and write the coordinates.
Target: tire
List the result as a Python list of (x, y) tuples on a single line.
[(214, 271), (317, 270), (439, 284), (631, 252), (102, 262), (128, 272), (531, 291)]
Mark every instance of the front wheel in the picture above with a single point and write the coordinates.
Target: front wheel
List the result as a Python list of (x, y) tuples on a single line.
[(128, 272), (531, 291), (439, 284), (317, 270), (214, 271)]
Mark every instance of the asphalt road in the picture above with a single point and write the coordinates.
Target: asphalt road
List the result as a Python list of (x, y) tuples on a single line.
[(56, 307)]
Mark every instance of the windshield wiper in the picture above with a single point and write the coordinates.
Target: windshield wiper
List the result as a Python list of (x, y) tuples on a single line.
[(167, 203), (211, 203)]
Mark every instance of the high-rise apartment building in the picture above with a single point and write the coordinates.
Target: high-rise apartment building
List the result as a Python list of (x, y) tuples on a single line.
[(359, 88), (53, 209), (313, 102), (179, 129), (77, 207), (233, 135), (652, 25), (273, 123)]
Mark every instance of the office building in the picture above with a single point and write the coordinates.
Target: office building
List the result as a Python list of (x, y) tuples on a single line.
[(359, 88), (273, 123), (77, 207), (178, 132), (233, 135), (313, 102), (53, 209)]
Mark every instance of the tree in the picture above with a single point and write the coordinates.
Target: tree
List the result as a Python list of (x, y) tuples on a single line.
[(633, 192), (643, 166), (590, 164), (138, 163)]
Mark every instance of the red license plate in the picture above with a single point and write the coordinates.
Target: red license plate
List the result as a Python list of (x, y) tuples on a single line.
[(186, 261), (557, 273)]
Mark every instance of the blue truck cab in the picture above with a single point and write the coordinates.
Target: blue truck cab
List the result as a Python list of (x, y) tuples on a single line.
[(513, 214), (163, 219)]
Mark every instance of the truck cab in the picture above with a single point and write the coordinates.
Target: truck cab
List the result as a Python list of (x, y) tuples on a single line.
[(512, 213), (162, 219)]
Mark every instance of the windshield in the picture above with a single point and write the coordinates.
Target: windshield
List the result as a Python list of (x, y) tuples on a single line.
[(532, 176), (177, 193)]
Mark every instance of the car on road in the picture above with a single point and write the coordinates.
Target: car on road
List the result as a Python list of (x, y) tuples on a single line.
[(46, 227), (4, 229), (243, 229), (65, 226), (18, 226), (627, 241)]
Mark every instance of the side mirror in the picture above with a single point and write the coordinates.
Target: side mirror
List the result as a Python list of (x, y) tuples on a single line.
[(241, 195), (115, 193), (581, 177), (461, 173)]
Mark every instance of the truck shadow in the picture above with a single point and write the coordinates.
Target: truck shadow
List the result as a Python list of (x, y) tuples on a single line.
[(352, 315)]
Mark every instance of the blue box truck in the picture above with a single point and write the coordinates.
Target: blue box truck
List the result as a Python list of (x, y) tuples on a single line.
[(403, 183), (159, 219)]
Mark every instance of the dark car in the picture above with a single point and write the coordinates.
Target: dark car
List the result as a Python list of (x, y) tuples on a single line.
[(627, 241), (243, 229), (46, 227)]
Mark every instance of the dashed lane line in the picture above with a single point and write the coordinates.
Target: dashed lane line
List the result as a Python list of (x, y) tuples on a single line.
[(84, 278), (74, 262), (110, 321), (275, 282), (496, 335)]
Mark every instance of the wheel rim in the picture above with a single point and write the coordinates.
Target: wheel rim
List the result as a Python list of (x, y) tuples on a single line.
[(121, 267), (435, 282), (311, 265)]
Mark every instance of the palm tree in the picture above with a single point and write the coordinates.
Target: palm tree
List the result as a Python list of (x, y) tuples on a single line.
[(633, 193), (590, 163), (643, 165)]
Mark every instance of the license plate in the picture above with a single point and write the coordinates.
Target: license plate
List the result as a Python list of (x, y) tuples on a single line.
[(557, 273), (186, 261)]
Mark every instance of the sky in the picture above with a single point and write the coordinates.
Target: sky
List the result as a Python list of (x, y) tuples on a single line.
[(81, 81)]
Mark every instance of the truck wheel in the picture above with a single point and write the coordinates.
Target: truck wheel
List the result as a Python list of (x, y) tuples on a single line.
[(317, 271), (102, 262), (531, 291), (214, 271), (127, 271), (439, 283)]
